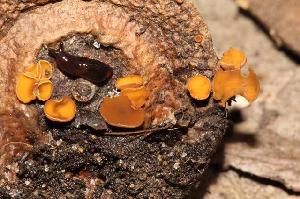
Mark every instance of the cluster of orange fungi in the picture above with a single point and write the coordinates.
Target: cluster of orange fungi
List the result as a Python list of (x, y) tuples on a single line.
[(34, 83), (228, 81), (126, 110)]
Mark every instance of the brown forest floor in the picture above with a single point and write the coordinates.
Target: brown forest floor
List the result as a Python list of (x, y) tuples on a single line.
[(260, 157)]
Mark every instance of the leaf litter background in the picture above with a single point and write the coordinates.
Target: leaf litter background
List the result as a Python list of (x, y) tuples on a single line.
[(260, 157)]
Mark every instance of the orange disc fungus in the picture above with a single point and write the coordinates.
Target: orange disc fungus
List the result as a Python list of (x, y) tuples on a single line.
[(117, 111), (137, 96), (233, 59), (62, 110), (131, 81), (44, 90), (25, 88), (40, 71), (251, 86), (45, 69), (198, 38), (199, 87), (32, 71), (227, 84)]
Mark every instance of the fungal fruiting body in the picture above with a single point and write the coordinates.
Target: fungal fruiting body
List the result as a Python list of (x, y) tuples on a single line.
[(229, 81), (126, 110), (89, 69), (25, 88), (199, 87), (137, 96), (130, 81), (117, 111), (35, 82), (251, 87), (62, 110), (233, 59), (45, 70), (32, 71), (44, 90), (228, 84)]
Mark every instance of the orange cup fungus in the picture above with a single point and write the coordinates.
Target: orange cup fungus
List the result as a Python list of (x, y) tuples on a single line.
[(25, 88), (35, 82), (32, 71), (199, 87), (117, 111), (137, 96), (126, 110), (44, 90), (229, 81), (62, 110), (198, 38), (45, 70), (233, 59), (131, 81)]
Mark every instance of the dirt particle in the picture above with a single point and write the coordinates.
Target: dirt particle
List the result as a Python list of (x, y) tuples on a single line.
[(176, 165)]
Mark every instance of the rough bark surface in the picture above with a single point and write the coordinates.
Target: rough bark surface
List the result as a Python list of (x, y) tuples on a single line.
[(230, 185), (280, 18), (264, 139), (154, 39)]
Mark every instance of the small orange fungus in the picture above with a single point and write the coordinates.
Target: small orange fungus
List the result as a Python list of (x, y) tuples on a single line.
[(131, 81), (44, 90), (117, 111), (233, 59), (62, 110), (199, 87), (227, 84), (45, 69), (198, 38), (137, 96), (251, 86), (25, 88), (32, 71)]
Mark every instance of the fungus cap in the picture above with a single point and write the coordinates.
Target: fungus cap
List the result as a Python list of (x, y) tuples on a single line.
[(199, 38), (131, 81), (44, 90), (45, 70), (117, 111), (137, 96), (227, 84), (25, 88), (199, 87), (233, 59), (251, 87), (62, 110), (32, 71)]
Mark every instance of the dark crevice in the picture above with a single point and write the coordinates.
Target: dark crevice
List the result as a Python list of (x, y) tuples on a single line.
[(264, 181), (38, 5), (292, 55)]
